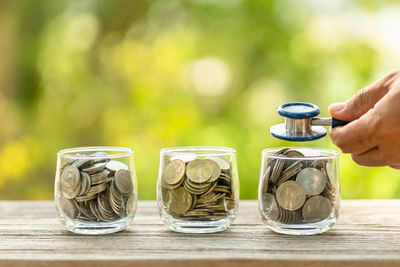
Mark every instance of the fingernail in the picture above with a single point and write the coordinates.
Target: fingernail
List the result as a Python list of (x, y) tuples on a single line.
[(336, 107)]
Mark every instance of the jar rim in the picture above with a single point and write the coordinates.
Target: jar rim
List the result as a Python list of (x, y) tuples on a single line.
[(206, 150), (123, 152), (331, 154)]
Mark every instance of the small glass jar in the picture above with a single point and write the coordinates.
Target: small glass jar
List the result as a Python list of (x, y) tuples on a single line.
[(198, 188), (95, 189), (299, 190)]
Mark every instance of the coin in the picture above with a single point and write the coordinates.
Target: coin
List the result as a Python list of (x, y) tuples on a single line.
[(276, 172), (123, 181), (199, 171), (265, 179), (223, 164), (290, 195), (317, 208), (99, 177), (81, 163), (207, 187), (84, 183), (70, 178), (289, 172), (330, 171), (95, 168), (215, 169), (85, 198), (116, 201), (68, 207), (180, 200), (85, 211), (168, 186), (114, 166), (104, 206), (95, 189), (270, 207), (130, 205), (293, 153), (313, 181), (174, 172)]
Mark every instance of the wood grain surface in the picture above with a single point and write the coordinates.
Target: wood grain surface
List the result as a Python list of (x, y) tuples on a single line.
[(367, 234)]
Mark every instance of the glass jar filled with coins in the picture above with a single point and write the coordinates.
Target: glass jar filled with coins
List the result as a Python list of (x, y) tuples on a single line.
[(299, 190), (198, 188), (95, 189)]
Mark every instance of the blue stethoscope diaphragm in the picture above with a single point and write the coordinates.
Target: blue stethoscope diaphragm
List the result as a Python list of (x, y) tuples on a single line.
[(300, 122)]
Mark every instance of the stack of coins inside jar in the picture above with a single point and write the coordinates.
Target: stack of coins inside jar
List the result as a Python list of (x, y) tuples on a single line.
[(95, 188), (298, 189), (198, 189)]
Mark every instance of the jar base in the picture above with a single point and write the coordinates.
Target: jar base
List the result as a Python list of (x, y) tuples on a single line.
[(301, 229), (96, 228), (196, 227)]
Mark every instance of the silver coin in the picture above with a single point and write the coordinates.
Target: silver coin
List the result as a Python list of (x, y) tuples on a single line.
[(100, 177), (316, 208), (70, 181), (123, 181), (68, 207), (266, 179), (82, 163), (223, 163), (95, 168), (270, 207), (313, 181), (330, 171), (130, 205), (114, 166)]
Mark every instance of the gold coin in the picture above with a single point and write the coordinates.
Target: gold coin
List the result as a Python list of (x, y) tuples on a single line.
[(316, 209), (223, 164), (291, 195), (199, 171), (174, 172), (179, 200), (215, 169)]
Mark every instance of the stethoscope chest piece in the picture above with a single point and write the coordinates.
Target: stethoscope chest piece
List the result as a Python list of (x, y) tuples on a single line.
[(300, 122)]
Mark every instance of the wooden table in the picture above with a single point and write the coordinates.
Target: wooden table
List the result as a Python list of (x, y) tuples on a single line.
[(367, 234)]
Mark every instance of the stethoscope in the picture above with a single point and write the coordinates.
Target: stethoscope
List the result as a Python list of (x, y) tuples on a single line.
[(300, 124)]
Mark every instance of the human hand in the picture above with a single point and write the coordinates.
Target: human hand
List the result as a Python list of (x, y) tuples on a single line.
[(373, 134)]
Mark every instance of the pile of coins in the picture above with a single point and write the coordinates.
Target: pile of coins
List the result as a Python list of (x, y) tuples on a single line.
[(298, 190), (96, 189), (200, 189)]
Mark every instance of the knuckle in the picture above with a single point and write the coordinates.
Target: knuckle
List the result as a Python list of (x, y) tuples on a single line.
[(356, 159), (341, 144), (389, 78), (361, 98)]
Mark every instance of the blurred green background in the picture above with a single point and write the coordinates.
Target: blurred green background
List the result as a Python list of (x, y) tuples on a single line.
[(155, 74)]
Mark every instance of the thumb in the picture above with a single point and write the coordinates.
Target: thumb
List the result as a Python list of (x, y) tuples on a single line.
[(360, 103)]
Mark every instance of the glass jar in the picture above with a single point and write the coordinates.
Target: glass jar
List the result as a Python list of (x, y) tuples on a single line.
[(95, 189), (299, 190), (198, 188)]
